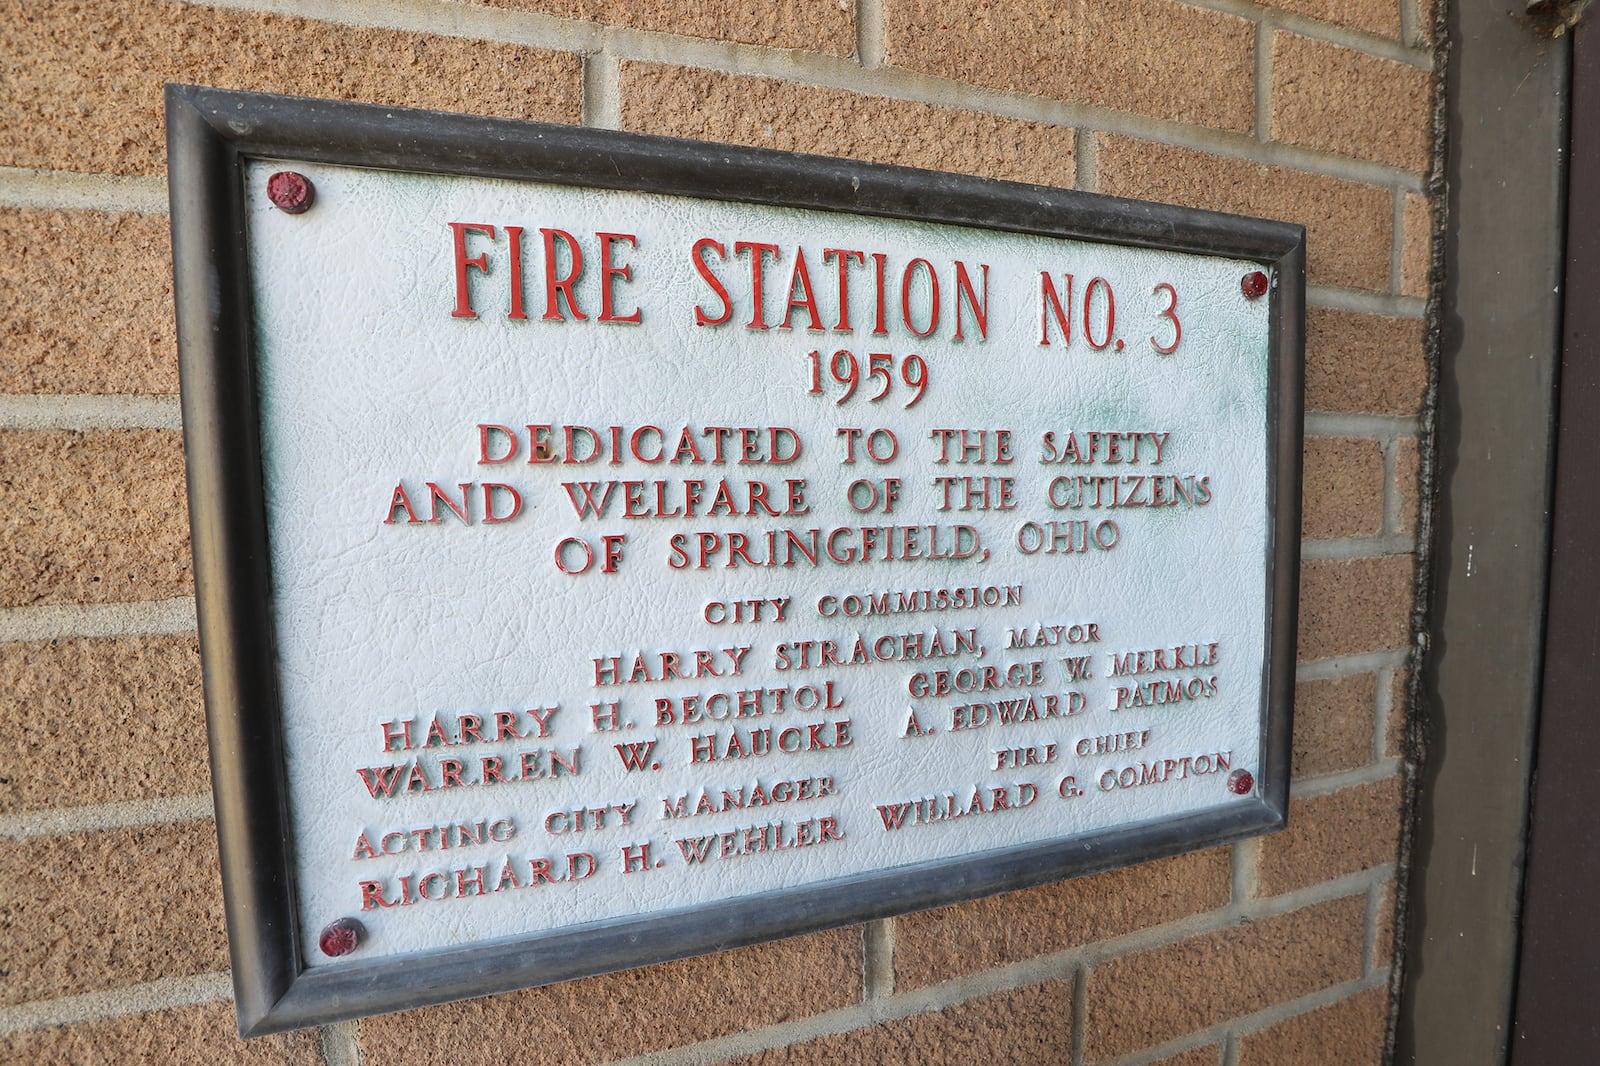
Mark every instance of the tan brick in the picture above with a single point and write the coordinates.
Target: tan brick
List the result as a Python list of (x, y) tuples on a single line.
[(629, 1013), (1350, 103), (1329, 836), (1383, 945), (1349, 225), (766, 113), (1381, 17), (1151, 57), (1394, 740), (1350, 1032), (1140, 1000), (813, 25), (1333, 724), (1023, 1027), (1359, 362), (111, 330), (1342, 489), (82, 79), (1407, 474), (203, 1035), (93, 517), (1355, 605), (107, 720), (936, 945), (82, 912), (1416, 255), (1427, 21)]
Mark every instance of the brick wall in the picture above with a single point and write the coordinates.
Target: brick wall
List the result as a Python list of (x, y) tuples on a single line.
[(1275, 951)]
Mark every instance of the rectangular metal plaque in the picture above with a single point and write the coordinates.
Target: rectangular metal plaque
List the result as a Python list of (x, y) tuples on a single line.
[(610, 548)]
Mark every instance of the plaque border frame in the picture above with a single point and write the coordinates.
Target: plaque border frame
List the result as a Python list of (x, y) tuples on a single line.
[(211, 133)]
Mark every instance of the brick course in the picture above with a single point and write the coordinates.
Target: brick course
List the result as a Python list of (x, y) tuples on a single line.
[(1333, 724), (1347, 223), (1134, 1002), (96, 69), (767, 113), (818, 25), (113, 332), (1349, 1032), (110, 720), (1338, 100), (936, 945), (1150, 57), (85, 912), (617, 1015), (1329, 836), (1356, 605), (1024, 1027), (95, 517), (1342, 488)]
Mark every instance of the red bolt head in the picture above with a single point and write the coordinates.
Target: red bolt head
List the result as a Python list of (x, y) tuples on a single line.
[(341, 937), (291, 193), (1254, 284), (1241, 783)]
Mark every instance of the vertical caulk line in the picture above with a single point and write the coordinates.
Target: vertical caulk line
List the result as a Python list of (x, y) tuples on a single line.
[(1264, 32), (869, 34), (340, 1044), (1246, 870), (1230, 1049), (877, 957), (1376, 905), (601, 106), (1085, 161), (1080, 1013), (1411, 24), (1391, 491), (1383, 707), (1397, 241)]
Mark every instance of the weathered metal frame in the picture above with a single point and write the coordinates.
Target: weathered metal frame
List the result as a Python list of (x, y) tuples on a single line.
[(211, 133)]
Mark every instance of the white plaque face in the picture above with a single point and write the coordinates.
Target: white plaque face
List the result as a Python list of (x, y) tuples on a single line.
[(636, 557)]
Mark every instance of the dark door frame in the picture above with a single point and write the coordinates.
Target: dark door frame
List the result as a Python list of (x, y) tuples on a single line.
[(1498, 329), (1559, 970)]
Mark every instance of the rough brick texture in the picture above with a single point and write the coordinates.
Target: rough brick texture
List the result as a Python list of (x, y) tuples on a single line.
[(1394, 738), (1151, 57), (1333, 724), (94, 517), (1356, 605), (936, 945), (1383, 936), (817, 25), (1348, 224), (1343, 488), (112, 331), (618, 1015), (83, 912), (1024, 1027), (1417, 258), (1338, 100), (1133, 1001), (766, 113), (1347, 1033), (109, 720), (1407, 468), (1359, 362), (1329, 836), (82, 80), (185, 1036), (1381, 17)]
